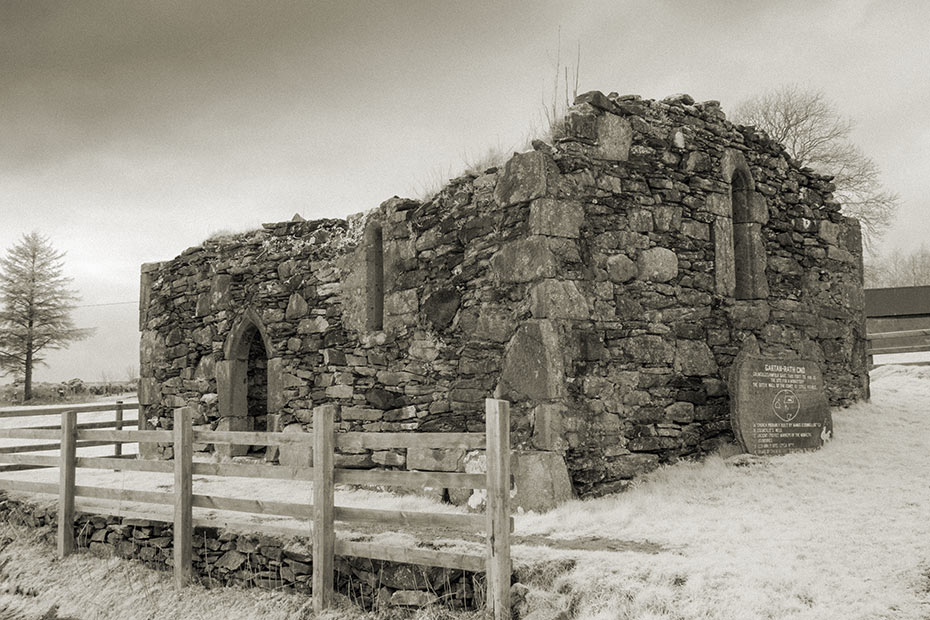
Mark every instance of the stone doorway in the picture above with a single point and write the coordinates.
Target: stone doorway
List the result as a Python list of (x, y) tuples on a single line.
[(257, 383), (242, 384)]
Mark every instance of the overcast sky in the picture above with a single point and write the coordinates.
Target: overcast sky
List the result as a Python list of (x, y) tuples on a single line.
[(130, 131)]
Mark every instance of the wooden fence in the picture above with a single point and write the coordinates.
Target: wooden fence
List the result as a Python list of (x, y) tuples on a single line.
[(898, 320), (118, 422), (496, 523)]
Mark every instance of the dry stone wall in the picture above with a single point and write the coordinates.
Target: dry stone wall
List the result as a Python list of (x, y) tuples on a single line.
[(603, 282), (225, 558)]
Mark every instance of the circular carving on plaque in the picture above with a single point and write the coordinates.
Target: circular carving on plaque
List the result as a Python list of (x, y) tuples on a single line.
[(786, 405)]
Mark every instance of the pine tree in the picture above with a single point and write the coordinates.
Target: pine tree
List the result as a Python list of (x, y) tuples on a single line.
[(35, 307)]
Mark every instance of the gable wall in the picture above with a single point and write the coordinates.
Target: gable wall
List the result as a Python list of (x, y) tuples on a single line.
[(590, 281)]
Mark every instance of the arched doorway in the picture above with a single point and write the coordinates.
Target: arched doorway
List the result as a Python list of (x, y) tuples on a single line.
[(242, 383), (257, 382)]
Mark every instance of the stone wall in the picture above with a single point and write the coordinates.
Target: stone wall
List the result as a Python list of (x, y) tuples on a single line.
[(603, 282), (698, 238), (224, 558)]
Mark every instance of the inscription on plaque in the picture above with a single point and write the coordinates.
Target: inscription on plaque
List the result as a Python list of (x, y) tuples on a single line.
[(778, 405)]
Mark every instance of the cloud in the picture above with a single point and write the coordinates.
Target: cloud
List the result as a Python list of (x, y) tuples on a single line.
[(135, 130)]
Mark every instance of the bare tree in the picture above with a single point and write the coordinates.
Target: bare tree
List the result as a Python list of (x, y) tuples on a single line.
[(35, 307), (816, 135), (899, 269)]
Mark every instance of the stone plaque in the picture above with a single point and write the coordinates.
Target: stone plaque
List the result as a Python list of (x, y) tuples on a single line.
[(777, 405)]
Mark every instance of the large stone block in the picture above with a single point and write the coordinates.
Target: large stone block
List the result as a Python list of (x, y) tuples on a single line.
[(296, 307), (614, 138), (524, 260), (440, 307), (148, 391), (627, 466), (412, 598), (719, 205), (695, 230), (547, 426), (750, 262), (523, 179), (296, 455), (556, 218), (667, 218), (231, 388), (494, 324), (657, 265), (596, 99), (411, 577), (648, 349), (145, 292), (732, 161), (829, 232), (694, 358), (750, 315), (541, 480), (315, 325), (401, 302), (220, 290), (724, 261), (152, 351), (533, 364), (275, 383), (558, 299), (203, 305), (225, 451), (620, 269)]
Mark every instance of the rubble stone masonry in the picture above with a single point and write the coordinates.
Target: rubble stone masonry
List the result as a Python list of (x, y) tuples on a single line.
[(603, 283)]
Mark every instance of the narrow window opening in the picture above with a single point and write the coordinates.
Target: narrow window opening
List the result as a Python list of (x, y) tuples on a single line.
[(742, 236), (374, 259)]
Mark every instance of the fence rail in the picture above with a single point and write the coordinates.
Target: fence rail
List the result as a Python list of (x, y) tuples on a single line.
[(322, 513), (16, 455), (897, 320), (905, 341)]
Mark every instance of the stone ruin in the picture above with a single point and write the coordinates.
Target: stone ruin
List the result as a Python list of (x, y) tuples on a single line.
[(603, 283)]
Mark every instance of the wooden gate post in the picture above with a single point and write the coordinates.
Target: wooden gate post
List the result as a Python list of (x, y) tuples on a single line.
[(183, 489), (324, 535), (118, 446), (498, 569), (66, 463)]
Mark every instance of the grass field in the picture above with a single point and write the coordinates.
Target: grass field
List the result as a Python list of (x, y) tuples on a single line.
[(841, 533)]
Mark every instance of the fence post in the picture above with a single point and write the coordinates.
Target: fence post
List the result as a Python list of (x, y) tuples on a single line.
[(66, 483), (118, 446), (183, 489), (498, 569), (324, 536)]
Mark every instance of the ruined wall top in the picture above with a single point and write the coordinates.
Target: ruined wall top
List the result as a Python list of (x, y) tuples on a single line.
[(603, 281)]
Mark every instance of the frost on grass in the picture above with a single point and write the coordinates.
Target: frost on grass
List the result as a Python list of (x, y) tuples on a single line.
[(34, 584), (838, 533)]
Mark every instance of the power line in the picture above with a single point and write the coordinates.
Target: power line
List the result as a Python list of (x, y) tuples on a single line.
[(112, 303)]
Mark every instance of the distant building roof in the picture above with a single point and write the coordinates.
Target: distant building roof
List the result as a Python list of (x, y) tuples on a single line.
[(901, 301)]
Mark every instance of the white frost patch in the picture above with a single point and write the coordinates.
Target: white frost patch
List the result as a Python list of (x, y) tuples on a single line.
[(839, 533)]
